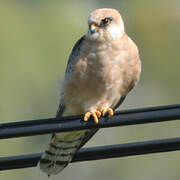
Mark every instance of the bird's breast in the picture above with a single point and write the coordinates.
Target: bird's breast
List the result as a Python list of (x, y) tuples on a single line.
[(99, 79)]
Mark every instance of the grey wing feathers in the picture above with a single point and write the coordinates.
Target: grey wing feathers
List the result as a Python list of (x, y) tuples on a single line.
[(60, 110), (87, 136), (75, 52), (119, 102)]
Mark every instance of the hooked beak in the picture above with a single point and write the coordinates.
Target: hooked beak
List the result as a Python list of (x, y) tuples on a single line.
[(93, 28)]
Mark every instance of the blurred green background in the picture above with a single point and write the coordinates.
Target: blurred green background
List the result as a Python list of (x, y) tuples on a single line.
[(36, 37)]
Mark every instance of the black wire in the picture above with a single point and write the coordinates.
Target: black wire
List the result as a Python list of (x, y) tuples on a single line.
[(96, 153), (126, 117), (121, 118)]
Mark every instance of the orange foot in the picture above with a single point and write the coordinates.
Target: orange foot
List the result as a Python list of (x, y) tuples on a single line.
[(109, 111), (95, 114)]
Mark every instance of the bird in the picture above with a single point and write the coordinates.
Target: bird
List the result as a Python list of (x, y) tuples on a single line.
[(102, 69)]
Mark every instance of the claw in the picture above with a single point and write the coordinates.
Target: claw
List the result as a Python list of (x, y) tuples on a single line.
[(87, 116), (95, 114), (109, 111)]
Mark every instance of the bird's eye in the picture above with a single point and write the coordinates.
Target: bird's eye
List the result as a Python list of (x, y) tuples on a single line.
[(105, 21)]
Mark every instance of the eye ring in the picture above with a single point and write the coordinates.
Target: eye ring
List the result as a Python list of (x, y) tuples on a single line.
[(105, 21)]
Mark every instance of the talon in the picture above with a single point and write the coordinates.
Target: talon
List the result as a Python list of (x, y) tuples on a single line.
[(109, 111), (104, 111), (98, 113), (87, 116), (95, 114)]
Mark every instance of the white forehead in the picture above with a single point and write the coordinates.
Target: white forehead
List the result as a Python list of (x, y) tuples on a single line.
[(99, 14)]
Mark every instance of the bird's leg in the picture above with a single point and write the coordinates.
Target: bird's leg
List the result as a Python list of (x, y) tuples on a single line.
[(109, 111), (95, 114)]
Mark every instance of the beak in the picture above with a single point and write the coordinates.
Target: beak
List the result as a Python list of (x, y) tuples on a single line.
[(93, 28)]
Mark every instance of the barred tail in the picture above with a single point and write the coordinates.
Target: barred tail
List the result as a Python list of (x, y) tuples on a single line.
[(59, 154)]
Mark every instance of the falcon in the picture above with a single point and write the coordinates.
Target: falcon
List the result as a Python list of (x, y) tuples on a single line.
[(103, 67)]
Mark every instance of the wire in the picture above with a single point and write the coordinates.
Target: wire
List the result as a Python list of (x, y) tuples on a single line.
[(121, 118), (96, 153)]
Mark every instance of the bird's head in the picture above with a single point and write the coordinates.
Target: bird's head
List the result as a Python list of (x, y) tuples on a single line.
[(105, 24)]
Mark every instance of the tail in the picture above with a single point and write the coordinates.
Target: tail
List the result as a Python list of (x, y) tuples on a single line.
[(60, 153)]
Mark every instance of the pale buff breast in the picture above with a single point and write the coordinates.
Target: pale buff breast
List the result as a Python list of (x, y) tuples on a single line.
[(101, 78)]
